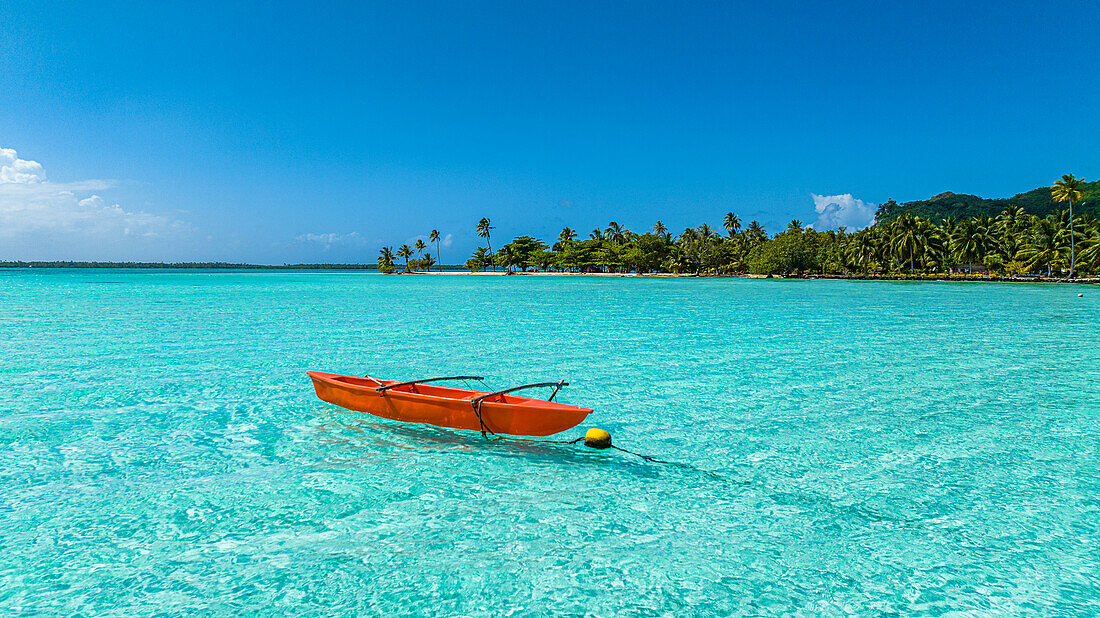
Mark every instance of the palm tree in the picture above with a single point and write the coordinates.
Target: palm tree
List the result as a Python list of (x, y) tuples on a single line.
[(732, 223), (906, 237), (1090, 245), (755, 234), (596, 234), (949, 225), (614, 232), (565, 239), (971, 242), (483, 229), (1010, 219), (434, 237), (385, 259), (1045, 246), (1068, 189), (1007, 230), (861, 250), (881, 238), (932, 251), (689, 245), (419, 246), (406, 252), (661, 230), (934, 243)]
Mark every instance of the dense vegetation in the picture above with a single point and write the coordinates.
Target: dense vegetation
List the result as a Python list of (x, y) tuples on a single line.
[(1012, 243), (197, 265), (962, 206)]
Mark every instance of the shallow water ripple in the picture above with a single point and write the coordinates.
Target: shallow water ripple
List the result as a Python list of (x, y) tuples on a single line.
[(841, 447)]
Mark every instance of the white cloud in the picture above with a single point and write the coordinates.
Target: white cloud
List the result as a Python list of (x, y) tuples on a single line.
[(834, 211), (447, 241), (327, 241), (52, 220), (15, 170)]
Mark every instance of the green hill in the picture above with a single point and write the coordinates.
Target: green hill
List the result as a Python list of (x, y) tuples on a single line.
[(959, 205)]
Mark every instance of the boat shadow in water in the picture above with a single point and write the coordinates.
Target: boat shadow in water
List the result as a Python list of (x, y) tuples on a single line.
[(367, 438), (359, 439)]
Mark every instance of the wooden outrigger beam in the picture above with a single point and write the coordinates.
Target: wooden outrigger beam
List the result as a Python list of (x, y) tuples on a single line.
[(383, 389), (557, 387)]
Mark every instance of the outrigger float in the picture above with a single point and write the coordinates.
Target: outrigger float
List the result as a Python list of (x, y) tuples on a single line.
[(424, 401)]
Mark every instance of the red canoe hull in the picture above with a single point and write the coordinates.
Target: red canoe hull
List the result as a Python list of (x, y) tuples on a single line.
[(446, 406)]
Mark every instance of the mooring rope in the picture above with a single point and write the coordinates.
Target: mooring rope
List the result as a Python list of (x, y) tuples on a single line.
[(486, 432), (645, 457), (581, 439)]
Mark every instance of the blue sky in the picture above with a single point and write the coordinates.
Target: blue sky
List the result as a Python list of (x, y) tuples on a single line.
[(318, 132)]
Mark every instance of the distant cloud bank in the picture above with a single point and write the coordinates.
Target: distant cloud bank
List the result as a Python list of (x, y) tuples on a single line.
[(58, 221), (834, 211), (331, 239)]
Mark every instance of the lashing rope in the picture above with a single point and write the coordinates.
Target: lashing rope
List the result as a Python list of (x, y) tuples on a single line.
[(485, 433), (481, 421)]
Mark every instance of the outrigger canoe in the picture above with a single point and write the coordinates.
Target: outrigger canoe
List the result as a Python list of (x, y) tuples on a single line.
[(423, 401)]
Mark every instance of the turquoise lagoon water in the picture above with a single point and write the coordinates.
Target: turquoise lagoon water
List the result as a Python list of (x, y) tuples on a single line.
[(846, 447)]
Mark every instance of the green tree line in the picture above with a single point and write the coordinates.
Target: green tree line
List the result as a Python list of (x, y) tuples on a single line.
[(388, 258), (1012, 243)]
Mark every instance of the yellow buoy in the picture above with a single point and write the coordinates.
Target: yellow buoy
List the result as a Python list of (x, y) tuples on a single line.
[(1080, 295), (597, 438)]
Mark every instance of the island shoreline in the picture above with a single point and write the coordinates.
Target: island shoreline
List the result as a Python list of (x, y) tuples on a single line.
[(952, 278)]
